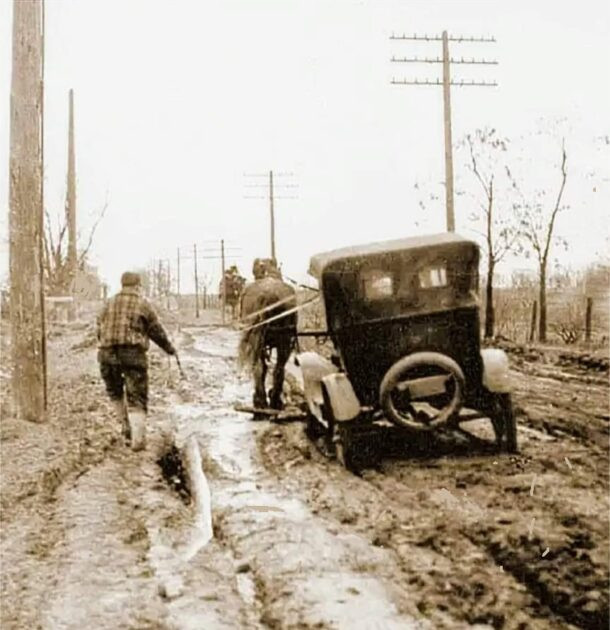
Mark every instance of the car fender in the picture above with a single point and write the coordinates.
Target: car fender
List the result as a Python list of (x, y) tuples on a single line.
[(342, 397), (314, 368), (496, 377)]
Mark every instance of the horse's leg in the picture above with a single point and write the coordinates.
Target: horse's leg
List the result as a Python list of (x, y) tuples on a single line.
[(260, 374), (283, 354)]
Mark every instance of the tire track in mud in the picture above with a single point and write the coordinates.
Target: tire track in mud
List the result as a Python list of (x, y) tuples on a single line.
[(482, 567), (578, 410), (463, 551), (298, 569), (448, 577)]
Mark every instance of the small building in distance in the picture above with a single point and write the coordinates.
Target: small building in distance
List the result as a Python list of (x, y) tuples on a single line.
[(88, 286)]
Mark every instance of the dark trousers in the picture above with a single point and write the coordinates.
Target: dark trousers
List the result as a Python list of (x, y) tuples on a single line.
[(124, 370)]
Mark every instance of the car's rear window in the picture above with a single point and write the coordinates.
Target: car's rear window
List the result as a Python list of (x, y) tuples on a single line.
[(380, 284), (377, 284), (433, 277)]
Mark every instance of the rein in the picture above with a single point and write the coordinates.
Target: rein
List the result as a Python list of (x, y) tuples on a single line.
[(268, 308), (280, 315)]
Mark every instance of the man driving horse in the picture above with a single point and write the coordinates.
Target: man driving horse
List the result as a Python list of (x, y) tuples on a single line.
[(262, 301)]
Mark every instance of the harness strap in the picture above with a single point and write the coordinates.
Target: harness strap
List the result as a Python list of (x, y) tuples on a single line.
[(268, 308), (280, 315)]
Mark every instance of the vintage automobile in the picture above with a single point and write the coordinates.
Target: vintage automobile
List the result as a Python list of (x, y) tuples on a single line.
[(403, 318)]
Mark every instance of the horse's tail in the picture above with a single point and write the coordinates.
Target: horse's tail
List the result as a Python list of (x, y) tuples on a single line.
[(253, 338), (250, 347)]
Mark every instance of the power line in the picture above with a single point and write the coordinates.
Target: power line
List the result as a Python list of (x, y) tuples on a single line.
[(471, 61), (437, 82), (275, 174), (439, 38)]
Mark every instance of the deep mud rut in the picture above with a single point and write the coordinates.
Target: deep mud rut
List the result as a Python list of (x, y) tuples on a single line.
[(506, 541), (295, 567), (450, 537), (442, 537)]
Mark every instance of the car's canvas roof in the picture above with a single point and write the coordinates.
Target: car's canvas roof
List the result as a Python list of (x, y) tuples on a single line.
[(319, 262)]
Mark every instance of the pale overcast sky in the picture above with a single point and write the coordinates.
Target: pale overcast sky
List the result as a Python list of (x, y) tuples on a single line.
[(176, 100)]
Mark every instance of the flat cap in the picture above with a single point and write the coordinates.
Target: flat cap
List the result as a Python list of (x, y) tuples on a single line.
[(131, 279)]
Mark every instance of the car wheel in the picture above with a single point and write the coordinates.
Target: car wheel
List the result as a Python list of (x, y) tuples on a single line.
[(313, 428), (412, 363), (349, 455)]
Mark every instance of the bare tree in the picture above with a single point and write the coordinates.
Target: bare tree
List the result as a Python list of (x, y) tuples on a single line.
[(500, 234), (58, 272), (537, 225)]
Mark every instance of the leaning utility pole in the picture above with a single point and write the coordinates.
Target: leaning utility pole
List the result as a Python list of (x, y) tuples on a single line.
[(26, 211), (272, 197), (446, 60)]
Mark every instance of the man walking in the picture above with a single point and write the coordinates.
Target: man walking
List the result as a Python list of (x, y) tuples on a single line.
[(124, 328)]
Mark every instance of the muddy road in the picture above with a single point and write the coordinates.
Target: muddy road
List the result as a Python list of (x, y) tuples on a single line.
[(449, 536), (454, 536)]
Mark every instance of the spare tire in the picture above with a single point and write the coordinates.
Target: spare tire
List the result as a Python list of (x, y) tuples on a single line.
[(409, 363)]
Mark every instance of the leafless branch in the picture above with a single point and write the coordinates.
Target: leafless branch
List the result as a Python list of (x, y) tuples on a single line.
[(475, 168), (85, 251), (557, 207)]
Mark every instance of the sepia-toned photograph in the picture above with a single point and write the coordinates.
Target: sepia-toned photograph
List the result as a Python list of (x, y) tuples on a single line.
[(304, 315)]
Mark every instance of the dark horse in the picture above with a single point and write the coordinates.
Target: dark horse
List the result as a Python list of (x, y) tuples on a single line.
[(263, 300)]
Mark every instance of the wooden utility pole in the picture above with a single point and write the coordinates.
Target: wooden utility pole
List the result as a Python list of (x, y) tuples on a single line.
[(272, 216), (178, 272), (26, 211), (448, 143), (43, 306), (446, 60), (71, 192), (168, 281), (196, 281), (272, 185), (223, 297), (211, 253)]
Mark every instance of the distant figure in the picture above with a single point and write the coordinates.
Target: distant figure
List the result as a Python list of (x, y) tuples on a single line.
[(232, 285), (264, 299), (124, 327)]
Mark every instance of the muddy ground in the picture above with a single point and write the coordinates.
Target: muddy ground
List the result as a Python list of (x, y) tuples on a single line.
[(447, 536)]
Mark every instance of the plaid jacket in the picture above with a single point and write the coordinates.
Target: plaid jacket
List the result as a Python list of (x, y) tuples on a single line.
[(128, 319)]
